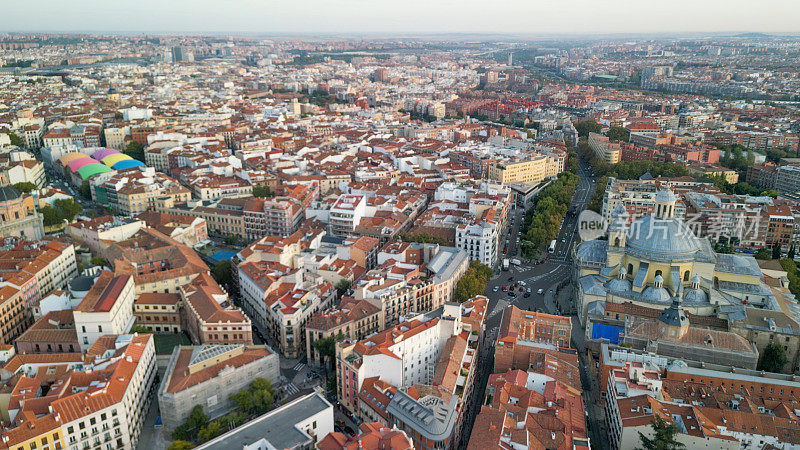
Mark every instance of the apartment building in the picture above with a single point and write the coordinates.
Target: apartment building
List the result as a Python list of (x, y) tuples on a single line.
[(210, 316), (787, 181), (412, 278), (99, 401), (604, 149), (156, 262), (187, 230), (351, 319), (427, 359), (346, 214), (223, 217), (106, 309), (159, 312), (133, 191), (371, 436), (523, 333), (28, 170), (710, 405), (96, 233), (553, 413), (531, 169), (757, 140), (14, 320), (479, 241), (209, 186), (278, 216), (38, 268)]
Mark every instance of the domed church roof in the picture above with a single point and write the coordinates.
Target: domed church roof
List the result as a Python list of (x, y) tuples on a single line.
[(8, 193), (661, 239)]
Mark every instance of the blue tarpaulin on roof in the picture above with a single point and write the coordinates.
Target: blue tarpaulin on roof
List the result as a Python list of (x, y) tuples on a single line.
[(611, 333)]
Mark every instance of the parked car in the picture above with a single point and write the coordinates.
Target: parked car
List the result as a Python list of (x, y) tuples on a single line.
[(496, 288), (512, 294), (505, 288), (540, 291), (527, 294)]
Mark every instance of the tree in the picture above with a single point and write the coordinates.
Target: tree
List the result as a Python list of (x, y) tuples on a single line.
[(342, 286), (586, 127), (50, 216), (232, 239), (776, 251), (618, 134), (663, 436), (257, 399), (222, 272), (763, 253), (99, 261), (473, 282), (141, 329), (791, 273), (85, 190), (188, 430), (135, 150), (24, 187), (197, 418), (67, 208), (180, 445), (774, 358), (262, 191), (423, 238), (326, 348), (210, 431), (791, 252), (16, 140)]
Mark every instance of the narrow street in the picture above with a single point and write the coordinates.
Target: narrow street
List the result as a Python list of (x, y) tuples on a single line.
[(547, 276)]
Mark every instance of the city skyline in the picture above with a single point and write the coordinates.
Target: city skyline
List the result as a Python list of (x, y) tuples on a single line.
[(580, 17)]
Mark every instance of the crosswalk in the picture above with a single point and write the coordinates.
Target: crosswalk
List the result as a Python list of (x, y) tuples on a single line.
[(291, 389), (298, 367), (499, 307)]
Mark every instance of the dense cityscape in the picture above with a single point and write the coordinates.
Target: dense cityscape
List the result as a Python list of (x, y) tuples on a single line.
[(235, 241)]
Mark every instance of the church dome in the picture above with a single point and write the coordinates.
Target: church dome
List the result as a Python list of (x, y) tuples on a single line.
[(618, 285), (695, 296), (8, 193), (666, 196), (656, 295), (661, 240)]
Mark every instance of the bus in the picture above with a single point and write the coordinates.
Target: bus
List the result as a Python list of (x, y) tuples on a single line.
[(552, 248)]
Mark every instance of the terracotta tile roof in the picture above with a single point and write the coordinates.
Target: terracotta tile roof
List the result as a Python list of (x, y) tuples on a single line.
[(183, 378)]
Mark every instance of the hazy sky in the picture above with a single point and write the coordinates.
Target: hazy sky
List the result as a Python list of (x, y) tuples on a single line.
[(401, 16)]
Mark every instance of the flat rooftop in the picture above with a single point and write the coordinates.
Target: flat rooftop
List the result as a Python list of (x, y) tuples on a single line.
[(277, 426)]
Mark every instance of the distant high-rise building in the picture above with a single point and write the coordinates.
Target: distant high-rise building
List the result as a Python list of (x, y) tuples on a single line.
[(178, 54), (381, 75), (510, 59)]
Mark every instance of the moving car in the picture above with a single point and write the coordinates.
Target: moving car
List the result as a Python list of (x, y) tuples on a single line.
[(505, 288), (540, 291), (496, 288)]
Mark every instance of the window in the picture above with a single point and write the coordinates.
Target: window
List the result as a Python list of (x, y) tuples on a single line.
[(686, 276)]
